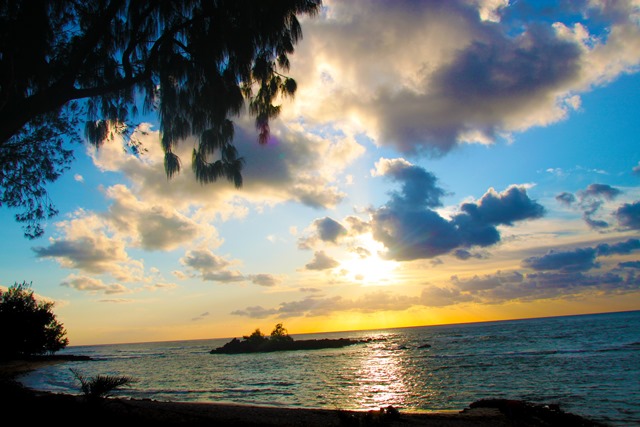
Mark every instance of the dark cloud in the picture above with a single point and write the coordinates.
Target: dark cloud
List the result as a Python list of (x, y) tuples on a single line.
[(602, 190), (464, 254), (495, 77), (415, 234), (576, 260), (580, 259), (590, 200), (504, 208), (629, 264), (419, 187), (329, 230), (321, 261), (621, 248), (92, 254), (410, 230), (507, 287), (628, 215), (288, 167), (566, 198)]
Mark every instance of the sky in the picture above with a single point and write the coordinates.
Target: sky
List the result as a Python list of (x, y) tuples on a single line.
[(441, 162)]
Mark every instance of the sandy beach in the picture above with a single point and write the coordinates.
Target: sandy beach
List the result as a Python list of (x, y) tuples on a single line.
[(33, 407)]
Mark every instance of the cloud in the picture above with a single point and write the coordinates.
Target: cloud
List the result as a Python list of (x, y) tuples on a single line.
[(547, 285), (566, 198), (89, 243), (89, 284), (79, 178), (463, 254), (329, 230), (116, 301), (313, 306), (294, 165), (263, 279), (211, 267), (455, 71), (255, 312), (325, 230), (311, 290), (200, 316), (636, 169), (495, 288), (321, 261), (580, 259), (590, 201), (410, 229), (628, 215), (156, 286), (152, 227), (630, 264), (601, 190), (620, 248), (576, 260)]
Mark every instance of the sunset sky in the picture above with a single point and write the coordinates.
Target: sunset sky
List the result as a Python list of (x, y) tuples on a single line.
[(442, 161)]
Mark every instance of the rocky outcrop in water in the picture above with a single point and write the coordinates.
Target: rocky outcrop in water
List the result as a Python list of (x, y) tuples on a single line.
[(235, 346)]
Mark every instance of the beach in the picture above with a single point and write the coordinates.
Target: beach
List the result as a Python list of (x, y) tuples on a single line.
[(34, 407)]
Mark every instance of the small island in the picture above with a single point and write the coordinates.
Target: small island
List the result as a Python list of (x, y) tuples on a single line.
[(279, 340)]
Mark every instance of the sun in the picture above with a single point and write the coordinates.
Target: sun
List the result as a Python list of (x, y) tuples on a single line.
[(365, 265)]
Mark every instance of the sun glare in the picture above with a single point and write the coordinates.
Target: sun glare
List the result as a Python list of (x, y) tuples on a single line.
[(366, 266)]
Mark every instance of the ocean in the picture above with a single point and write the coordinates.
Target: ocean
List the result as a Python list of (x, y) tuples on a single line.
[(588, 364)]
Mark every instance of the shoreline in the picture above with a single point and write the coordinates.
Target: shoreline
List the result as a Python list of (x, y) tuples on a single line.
[(43, 407)]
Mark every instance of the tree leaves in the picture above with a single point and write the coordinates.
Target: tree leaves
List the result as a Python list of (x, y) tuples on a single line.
[(194, 62)]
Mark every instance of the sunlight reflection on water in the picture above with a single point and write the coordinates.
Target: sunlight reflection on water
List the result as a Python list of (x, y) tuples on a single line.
[(570, 361), (380, 380)]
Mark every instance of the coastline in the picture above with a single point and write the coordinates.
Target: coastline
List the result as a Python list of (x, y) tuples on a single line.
[(44, 407)]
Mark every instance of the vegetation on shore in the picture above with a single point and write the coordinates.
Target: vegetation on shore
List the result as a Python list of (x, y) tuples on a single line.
[(100, 386), (29, 326), (279, 340)]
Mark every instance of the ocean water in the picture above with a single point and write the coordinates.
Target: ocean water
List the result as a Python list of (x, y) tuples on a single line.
[(589, 364)]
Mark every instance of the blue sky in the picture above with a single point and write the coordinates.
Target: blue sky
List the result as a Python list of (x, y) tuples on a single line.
[(441, 162)]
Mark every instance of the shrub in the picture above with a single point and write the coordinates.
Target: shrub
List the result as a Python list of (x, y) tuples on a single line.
[(100, 386)]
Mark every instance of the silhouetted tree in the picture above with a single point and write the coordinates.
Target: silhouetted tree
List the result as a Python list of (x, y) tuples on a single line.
[(29, 327), (194, 62), (256, 338), (280, 334)]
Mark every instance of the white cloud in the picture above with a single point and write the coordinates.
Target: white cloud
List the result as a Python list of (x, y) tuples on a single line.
[(442, 73), (89, 284)]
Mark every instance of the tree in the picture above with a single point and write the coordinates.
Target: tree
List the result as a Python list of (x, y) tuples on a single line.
[(29, 327), (280, 334), (193, 62)]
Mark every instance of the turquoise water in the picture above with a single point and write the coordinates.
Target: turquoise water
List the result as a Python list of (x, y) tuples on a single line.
[(590, 365)]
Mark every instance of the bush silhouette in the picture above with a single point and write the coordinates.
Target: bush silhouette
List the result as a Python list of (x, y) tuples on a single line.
[(29, 326), (100, 386)]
